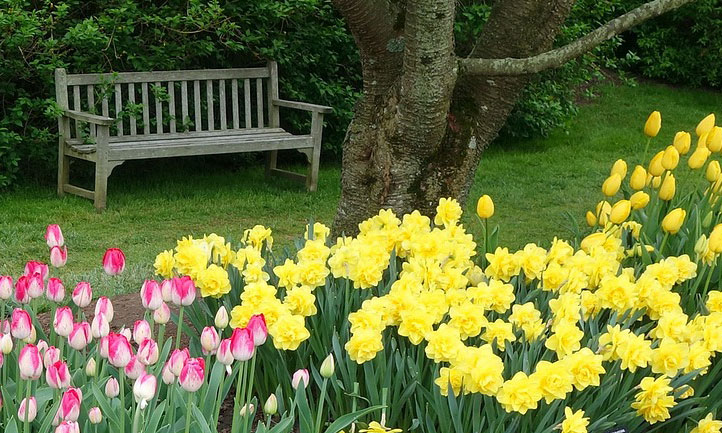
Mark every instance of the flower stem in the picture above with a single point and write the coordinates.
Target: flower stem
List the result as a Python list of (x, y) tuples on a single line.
[(161, 335), (26, 429), (136, 419), (121, 379), (188, 413), (249, 395), (219, 400), (321, 401), (180, 325), (237, 400)]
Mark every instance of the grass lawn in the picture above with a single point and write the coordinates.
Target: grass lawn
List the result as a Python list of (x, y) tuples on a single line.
[(533, 183)]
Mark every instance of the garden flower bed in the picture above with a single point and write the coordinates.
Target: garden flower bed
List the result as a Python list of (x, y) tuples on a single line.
[(412, 325)]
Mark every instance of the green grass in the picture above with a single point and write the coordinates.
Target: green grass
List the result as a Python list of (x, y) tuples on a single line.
[(533, 183)]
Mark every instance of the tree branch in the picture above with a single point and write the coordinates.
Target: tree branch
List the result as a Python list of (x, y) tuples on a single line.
[(371, 23), (559, 56)]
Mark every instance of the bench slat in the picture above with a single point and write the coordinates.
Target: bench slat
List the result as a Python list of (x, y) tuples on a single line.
[(184, 102), (209, 101), (247, 102), (128, 140), (119, 108), (131, 100), (192, 74), (234, 103), (259, 101), (171, 105), (91, 106), (158, 109), (197, 104), (222, 103), (146, 108), (76, 107)]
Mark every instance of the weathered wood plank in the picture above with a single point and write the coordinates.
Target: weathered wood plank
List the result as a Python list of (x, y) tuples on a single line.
[(146, 108), (247, 103), (209, 101), (61, 96), (91, 105), (287, 174), (131, 100), (119, 108), (139, 77), (76, 107), (259, 101), (171, 105), (158, 109), (72, 189), (192, 134), (184, 103), (273, 112), (222, 103), (197, 104), (234, 104), (302, 106)]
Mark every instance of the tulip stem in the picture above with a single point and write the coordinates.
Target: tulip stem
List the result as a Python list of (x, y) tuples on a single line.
[(121, 379), (664, 243), (180, 325), (136, 419), (250, 392), (321, 401), (188, 412), (27, 406), (237, 400), (161, 335), (219, 401)]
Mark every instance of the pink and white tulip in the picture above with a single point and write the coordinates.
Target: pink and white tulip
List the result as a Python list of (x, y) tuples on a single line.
[(183, 291), (148, 352), (80, 336), (30, 363), (63, 321), (68, 427), (242, 344), (82, 294), (141, 331), (51, 356), (144, 389), (100, 326), (177, 359), (257, 326), (6, 287), (119, 350), (192, 375), (28, 409), (36, 286), (21, 326), (95, 416), (300, 376), (161, 316), (167, 375), (135, 368), (166, 290), (105, 306), (70, 404), (150, 295), (114, 261), (58, 256), (55, 291), (58, 375), (224, 355), (54, 236), (209, 340), (34, 267), (22, 290), (112, 389)]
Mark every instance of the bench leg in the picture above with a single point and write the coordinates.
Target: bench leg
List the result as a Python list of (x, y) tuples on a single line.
[(312, 176), (271, 161), (63, 173), (101, 185)]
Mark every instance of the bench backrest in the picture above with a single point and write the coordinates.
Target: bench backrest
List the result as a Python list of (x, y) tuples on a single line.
[(157, 104)]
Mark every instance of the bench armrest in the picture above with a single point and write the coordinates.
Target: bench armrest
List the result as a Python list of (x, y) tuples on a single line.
[(87, 117), (302, 106)]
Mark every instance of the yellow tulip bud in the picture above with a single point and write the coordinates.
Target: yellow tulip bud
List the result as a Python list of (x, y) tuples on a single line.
[(673, 221), (668, 188), (682, 141), (655, 165), (698, 158), (705, 125), (702, 141), (620, 211), (653, 124), (713, 171), (591, 219), (670, 159), (656, 181), (700, 247), (638, 180), (639, 200), (715, 239), (714, 139), (707, 221), (485, 207), (620, 168), (603, 210), (716, 186), (611, 185)]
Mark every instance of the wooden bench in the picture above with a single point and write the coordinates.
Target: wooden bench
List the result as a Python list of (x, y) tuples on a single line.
[(112, 118)]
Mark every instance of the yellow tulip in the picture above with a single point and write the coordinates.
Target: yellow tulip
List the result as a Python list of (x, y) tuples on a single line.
[(591, 219), (714, 139), (698, 158), (668, 188), (713, 171), (702, 141), (593, 240), (673, 221), (603, 210), (705, 125), (655, 165), (715, 239), (656, 181), (653, 124), (638, 179), (682, 141), (639, 200), (611, 185), (670, 158), (620, 211), (620, 168), (485, 207)]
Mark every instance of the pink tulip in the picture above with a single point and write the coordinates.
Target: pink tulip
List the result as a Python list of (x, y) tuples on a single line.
[(141, 331), (58, 375), (192, 375), (63, 321), (127, 333), (119, 350), (144, 389), (80, 336), (167, 375), (257, 326), (6, 287), (161, 316), (105, 306), (183, 291), (58, 256), (112, 389), (148, 352), (22, 292), (36, 286), (68, 427), (51, 356), (21, 325), (30, 363), (224, 355), (242, 344), (28, 409), (70, 404), (177, 359), (209, 340), (54, 236), (166, 289), (300, 376), (134, 368), (82, 294), (55, 290), (95, 416), (5, 326), (150, 295), (104, 347), (114, 261), (100, 326), (34, 267), (42, 346)]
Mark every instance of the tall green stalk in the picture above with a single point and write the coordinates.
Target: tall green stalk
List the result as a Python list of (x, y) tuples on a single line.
[(322, 400), (188, 413), (180, 326), (121, 377), (26, 427)]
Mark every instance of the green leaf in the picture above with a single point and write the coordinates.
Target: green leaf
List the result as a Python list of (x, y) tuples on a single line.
[(200, 419), (343, 421)]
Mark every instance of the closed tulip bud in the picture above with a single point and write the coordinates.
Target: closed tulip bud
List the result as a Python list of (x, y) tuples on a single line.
[(119, 350), (95, 416), (6, 344), (70, 404), (668, 188), (655, 165), (638, 180), (127, 333), (619, 167), (177, 359), (224, 355), (30, 363), (485, 207), (714, 139), (148, 352), (653, 124), (150, 295), (242, 344), (620, 211), (327, 367), (99, 327), (51, 356), (656, 182), (591, 219), (700, 247), (68, 427), (161, 316), (114, 261), (34, 267), (134, 369), (54, 236), (80, 336), (639, 200), (32, 337), (209, 340), (221, 319), (112, 389), (705, 125), (167, 375), (670, 158), (22, 294), (90, 368), (21, 325), (58, 375), (192, 374), (248, 409), (682, 142), (713, 171), (257, 327), (475, 275), (55, 291), (6, 287), (28, 409), (166, 288), (183, 291), (58, 256), (603, 211), (63, 321), (144, 389), (715, 239), (82, 294), (141, 331), (611, 185), (271, 405), (300, 376), (673, 221), (105, 306)]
